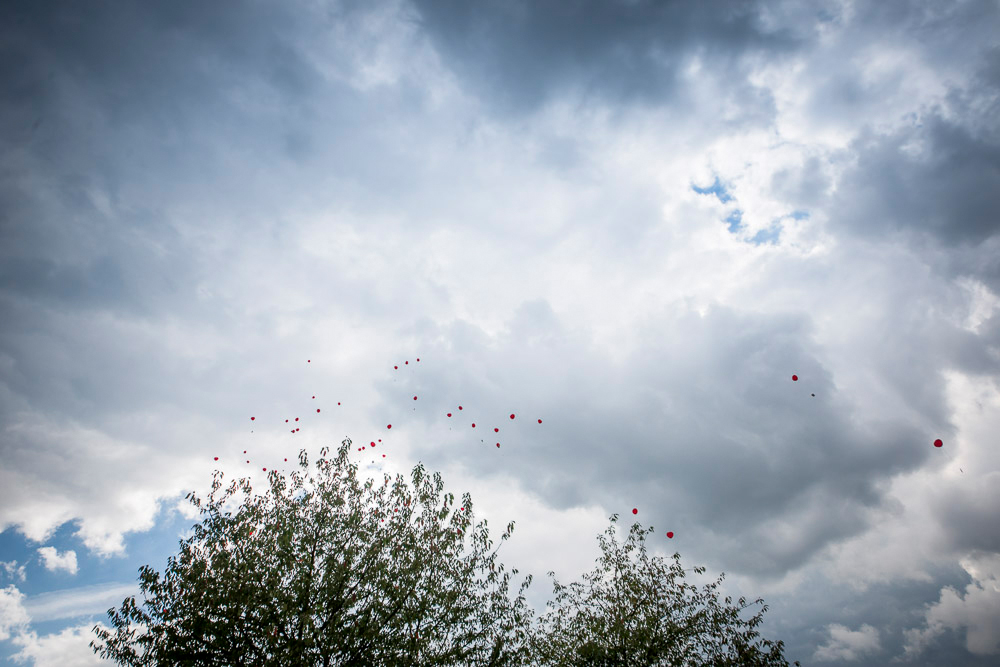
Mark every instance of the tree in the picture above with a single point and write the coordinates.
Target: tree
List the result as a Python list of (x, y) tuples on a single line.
[(324, 569), (637, 610)]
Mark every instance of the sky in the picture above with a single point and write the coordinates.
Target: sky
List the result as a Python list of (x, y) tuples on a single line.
[(635, 221)]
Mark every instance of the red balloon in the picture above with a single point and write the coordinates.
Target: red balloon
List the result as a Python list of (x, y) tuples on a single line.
[(296, 419), (265, 469), (407, 363), (795, 378), (389, 426), (396, 367), (314, 397), (286, 460), (373, 444), (414, 398), (670, 534), (473, 424), (496, 430), (383, 456), (449, 414), (635, 510), (498, 445), (216, 458), (252, 418), (317, 409), (418, 358), (512, 415), (286, 421), (938, 443), (244, 451), (308, 361), (539, 421)]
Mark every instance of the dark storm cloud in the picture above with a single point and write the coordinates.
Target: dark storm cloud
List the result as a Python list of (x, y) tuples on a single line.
[(524, 54), (703, 419), (890, 607), (968, 514), (948, 186), (936, 173), (146, 152), (104, 120)]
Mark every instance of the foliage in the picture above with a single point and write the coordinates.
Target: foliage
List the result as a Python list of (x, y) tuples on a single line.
[(326, 569), (323, 569), (633, 609)]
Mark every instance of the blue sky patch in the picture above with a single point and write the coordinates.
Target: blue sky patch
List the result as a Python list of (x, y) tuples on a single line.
[(769, 235), (734, 221), (716, 189)]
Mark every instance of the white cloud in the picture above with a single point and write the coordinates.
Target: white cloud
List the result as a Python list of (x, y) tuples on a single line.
[(13, 570), (70, 647), (977, 611), (76, 602), (13, 616), (55, 561), (848, 645)]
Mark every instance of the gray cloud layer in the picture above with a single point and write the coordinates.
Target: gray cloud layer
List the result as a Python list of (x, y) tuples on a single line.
[(194, 200)]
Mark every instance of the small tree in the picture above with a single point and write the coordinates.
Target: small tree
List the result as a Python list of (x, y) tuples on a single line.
[(636, 610), (325, 569)]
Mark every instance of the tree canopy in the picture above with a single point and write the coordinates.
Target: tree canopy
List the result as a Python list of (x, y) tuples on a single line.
[(324, 568), (637, 610)]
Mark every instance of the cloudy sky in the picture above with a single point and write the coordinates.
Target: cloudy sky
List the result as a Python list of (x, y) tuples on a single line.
[(633, 220)]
